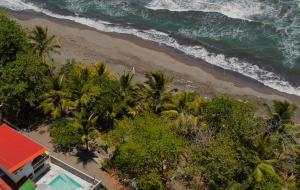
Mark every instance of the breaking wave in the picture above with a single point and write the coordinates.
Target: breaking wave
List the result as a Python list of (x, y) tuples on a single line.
[(241, 9), (267, 78)]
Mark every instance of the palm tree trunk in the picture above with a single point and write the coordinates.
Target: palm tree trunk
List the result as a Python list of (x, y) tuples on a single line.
[(62, 114), (87, 144)]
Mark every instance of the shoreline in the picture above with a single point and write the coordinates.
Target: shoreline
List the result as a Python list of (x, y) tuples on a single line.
[(85, 44)]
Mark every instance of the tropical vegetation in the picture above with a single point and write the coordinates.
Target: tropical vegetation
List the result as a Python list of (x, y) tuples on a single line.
[(158, 136)]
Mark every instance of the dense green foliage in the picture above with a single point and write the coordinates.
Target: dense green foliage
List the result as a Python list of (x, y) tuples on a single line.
[(22, 74), (12, 40), (143, 142), (22, 81), (156, 135), (64, 134)]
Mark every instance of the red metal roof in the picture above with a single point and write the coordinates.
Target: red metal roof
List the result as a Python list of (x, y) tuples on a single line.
[(16, 150), (4, 185)]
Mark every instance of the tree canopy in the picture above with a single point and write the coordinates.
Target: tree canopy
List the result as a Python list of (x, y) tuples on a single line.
[(13, 40), (157, 136), (42, 43), (143, 142)]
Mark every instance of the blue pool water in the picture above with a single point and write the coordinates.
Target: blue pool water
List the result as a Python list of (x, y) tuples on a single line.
[(63, 182)]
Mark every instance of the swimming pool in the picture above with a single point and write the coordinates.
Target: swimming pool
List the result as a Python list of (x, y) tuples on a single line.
[(64, 182)]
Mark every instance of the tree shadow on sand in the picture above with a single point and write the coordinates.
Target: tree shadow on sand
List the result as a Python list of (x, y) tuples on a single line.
[(85, 157)]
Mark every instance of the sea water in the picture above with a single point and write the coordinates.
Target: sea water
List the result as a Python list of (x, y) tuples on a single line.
[(259, 39)]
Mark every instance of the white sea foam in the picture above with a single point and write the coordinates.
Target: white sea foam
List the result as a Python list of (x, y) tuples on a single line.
[(229, 63), (239, 9), (15, 5)]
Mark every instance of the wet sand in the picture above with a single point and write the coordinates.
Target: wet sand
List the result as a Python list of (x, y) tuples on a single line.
[(121, 52)]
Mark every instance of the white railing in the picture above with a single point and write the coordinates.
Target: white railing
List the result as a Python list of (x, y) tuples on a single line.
[(97, 185), (40, 162)]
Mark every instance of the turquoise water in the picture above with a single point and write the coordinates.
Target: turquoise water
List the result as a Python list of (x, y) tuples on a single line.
[(259, 39), (63, 182)]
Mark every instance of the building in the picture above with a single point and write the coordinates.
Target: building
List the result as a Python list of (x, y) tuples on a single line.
[(26, 165), (21, 160)]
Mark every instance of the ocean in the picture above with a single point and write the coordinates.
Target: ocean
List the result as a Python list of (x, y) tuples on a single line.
[(259, 39)]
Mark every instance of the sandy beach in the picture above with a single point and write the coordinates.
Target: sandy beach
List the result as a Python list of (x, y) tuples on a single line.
[(122, 52)]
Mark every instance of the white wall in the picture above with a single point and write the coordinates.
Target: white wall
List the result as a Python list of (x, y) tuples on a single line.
[(16, 176)]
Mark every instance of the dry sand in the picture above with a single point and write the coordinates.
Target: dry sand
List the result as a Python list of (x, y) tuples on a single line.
[(121, 52)]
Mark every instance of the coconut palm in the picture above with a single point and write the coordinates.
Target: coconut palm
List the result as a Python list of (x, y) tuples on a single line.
[(129, 95), (286, 141), (42, 43), (280, 115), (56, 101), (157, 88), (82, 86), (264, 167), (262, 170), (289, 180), (281, 129), (101, 70), (85, 121), (282, 111), (183, 102), (126, 82), (186, 125)]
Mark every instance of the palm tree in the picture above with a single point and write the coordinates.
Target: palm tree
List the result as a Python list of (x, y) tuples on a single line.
[(281, 128), (289, 180), (85, 121), (126, 82), (282, 112), (129, 95), (42, 43), (264, 167), (56, 101), (101, 70), (183, 102), (187, 125), (157, 88), (82, 86)]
